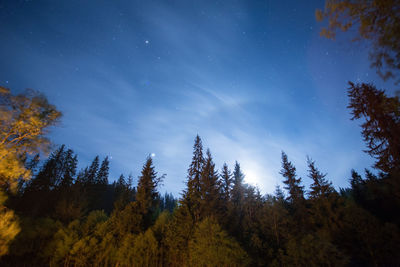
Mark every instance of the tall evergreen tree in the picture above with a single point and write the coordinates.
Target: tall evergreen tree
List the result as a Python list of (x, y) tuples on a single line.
[(381, 129), (147, 196), (70, 164), (238, 188), (320, 186), (191, 196), (209, 189), (236, 214), (292, 183), (51, 173), (91, 173), (102, 174), (226, 182)]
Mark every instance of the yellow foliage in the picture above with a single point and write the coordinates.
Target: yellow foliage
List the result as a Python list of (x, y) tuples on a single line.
[(24, 121), (9, 227)]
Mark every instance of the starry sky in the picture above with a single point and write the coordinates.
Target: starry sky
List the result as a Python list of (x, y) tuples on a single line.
[(139, 78)]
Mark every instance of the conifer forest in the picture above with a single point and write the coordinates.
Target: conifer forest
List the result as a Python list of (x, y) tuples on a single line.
[(56, 210)]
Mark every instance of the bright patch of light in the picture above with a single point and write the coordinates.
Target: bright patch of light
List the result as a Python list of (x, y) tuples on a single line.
[(153, 155), (258, 176)]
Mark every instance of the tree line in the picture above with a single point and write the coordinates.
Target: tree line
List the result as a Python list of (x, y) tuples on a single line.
[(73, 218), (53, 215)]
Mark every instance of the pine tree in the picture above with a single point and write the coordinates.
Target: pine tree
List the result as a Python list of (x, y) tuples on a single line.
[(209, 189), (51, 173), (147, 196), (70, 164), (381, 129), (121, 193), (102, 174), (191, 196), (226, 182), (295, 199), (238, 186), (320, 188), (324, 202), (91, 173), (292, 183), (236, 213)]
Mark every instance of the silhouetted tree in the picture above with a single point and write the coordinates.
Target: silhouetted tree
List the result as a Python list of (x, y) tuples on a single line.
[(191, 195), (226, 182), (320, 188), (296, 193), (377, 21), (381, 129), (147, 196), (102, 174), (209, 189)]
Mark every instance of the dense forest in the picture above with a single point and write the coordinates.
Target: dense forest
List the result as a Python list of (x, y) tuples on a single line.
[(75, 218), (52, 214)]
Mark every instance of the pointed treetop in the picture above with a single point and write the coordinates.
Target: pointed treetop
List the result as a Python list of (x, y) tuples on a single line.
[(320, 186), (292, 183)]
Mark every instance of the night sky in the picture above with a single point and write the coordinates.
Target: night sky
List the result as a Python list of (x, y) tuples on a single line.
[(138, 78)]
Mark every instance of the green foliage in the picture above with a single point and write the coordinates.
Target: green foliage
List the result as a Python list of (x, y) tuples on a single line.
[(211, 246), (219, 220), (78, 243), (312, 250)]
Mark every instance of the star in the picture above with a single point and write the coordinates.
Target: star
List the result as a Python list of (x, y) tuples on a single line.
[(146, 42)]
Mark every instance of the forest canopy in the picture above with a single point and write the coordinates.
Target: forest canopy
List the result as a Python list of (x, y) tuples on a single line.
[(54, 213), (79, 218)]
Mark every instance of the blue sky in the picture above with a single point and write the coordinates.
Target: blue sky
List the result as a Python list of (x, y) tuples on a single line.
[(132, 78)]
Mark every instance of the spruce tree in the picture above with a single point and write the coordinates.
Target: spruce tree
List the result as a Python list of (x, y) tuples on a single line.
[(209, 189), (320, 188), (147, 196), (92, 171), (102, 174), (191, 196), (292, 183), (238, 188), (70, 164), (51, 173), (381, 129), (296, 200), (226, 182), (236, 214)]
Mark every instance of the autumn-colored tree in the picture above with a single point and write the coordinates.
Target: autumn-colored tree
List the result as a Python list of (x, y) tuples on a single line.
[(24, 122), (9, 226), (377, 21)]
